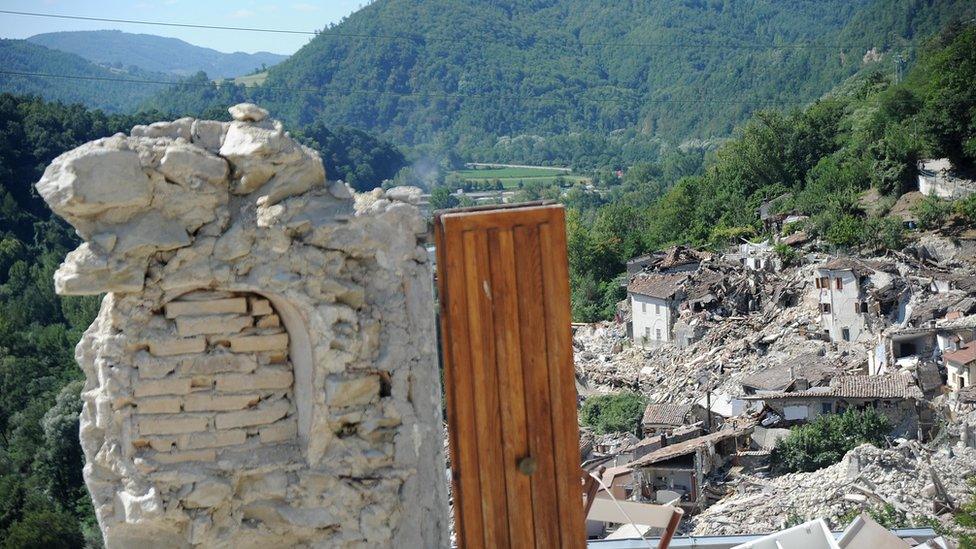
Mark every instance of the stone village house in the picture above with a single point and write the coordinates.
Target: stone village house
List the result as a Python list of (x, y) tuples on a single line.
[(680, 471), (663, 418), (654, 300), (842, 301), (895, 396), (961, 366)]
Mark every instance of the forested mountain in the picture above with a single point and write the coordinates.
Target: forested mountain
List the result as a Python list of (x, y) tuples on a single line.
[(152, 53), (482, 76), (87, 83), (864, 137)]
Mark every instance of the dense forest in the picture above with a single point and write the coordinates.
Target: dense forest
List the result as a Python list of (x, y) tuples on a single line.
[(867, 134), (43, 502), (547, 81)]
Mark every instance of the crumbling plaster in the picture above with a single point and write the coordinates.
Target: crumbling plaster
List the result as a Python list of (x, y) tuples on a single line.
[(308, 417)]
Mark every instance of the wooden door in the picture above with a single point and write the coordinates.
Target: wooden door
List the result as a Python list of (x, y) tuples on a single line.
[(509, 377)]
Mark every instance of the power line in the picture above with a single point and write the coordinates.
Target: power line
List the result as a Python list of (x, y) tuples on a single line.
[(423, 95), (422, 38), (157, 23)]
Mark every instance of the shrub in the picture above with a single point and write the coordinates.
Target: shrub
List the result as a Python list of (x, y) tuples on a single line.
[(614, 413), (787, 254), (824, 441), (848, 231), (885, 232), (931, 212), (967, 208)]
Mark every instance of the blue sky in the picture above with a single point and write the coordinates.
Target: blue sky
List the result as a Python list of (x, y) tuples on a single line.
[(304, 15)]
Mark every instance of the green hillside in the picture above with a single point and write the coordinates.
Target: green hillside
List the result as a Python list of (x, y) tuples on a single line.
[(867, 135), (95, 88), (482, 76), (154, 53)]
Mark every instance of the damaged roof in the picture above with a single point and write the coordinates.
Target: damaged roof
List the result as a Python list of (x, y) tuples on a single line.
[(665, 414), (864, 387), (964, 355), (657, 285), (847, 264), (811, 366), (937, 306), (686, 447), (795, 239)]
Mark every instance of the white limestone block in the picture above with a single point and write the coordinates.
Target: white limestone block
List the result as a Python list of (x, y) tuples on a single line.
[(236, 305), (352, 392), (171, 386), (208, 493), (182, 457), (247, 112), (164, 405), (250, 418), (173, 426), (254, 344), (209, 325), (219, 403), (263, 379), (178, 346), (196, 441), (90, 180), (283, 430)]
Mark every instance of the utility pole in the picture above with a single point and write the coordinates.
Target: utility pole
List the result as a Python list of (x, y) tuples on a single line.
[(708, 408)]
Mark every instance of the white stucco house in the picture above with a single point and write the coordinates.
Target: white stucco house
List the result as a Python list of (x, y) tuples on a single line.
[(654, 300), (961, 367), (935, 178), (841, 300)]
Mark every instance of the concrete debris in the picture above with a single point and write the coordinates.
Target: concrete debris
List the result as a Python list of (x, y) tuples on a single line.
[(734, 327), (867, 478)]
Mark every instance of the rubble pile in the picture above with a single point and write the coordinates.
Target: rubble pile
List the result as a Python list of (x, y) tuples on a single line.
[(760, 348), (867, 478), (731, 347), (783, 323)]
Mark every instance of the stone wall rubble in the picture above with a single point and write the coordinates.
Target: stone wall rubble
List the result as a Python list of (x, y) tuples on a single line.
[(262, 370)]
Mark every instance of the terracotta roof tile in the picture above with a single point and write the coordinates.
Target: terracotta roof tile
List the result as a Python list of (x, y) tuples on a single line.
[(812, 367), (963, 355), (665, 414), (867, 387), (684, 448), (657, 285)]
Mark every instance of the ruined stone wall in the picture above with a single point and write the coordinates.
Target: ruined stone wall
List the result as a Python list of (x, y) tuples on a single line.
[(262, 370)]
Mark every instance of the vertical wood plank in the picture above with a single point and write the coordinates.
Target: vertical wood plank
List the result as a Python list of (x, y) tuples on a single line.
[(536, 374), (510, 385), (510, 377), (562, 374), (466, 482), (484, 376)]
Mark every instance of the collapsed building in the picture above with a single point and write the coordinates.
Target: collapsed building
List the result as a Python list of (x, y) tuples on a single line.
[(897, 397), (755, 348)]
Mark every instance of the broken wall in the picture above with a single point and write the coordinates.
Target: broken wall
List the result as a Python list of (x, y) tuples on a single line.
[(262, 370)]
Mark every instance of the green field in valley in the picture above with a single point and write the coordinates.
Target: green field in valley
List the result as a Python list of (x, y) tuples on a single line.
[(510, 177), (252, 79)]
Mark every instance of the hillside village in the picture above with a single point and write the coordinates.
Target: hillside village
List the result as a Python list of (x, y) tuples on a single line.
[(732, 349)]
